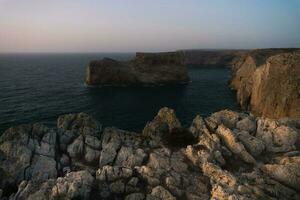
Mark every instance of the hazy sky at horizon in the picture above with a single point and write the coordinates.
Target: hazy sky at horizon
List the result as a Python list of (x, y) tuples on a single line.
[(141, 25)]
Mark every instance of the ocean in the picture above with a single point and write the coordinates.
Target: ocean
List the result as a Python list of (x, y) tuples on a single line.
[(40, 87)]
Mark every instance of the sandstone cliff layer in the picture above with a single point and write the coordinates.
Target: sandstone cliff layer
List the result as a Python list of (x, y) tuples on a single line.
[(227, 155), (144, 69), (267, 82)]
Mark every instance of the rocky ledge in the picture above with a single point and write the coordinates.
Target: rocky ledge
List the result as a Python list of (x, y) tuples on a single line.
[(268, 82), (144, 69), (227, 155)]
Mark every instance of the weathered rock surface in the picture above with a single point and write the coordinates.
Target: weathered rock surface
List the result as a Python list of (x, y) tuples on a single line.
[(267, 82), (144, 69), (29, 152), (227, 155)]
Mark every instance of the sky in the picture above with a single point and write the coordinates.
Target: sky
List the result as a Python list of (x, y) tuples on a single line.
[(147, 25)]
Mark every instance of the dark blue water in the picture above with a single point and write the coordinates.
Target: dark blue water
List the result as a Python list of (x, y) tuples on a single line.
[(40, 87)]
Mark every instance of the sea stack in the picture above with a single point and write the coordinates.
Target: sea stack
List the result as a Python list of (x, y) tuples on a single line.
[(267, 82), (144, 69)]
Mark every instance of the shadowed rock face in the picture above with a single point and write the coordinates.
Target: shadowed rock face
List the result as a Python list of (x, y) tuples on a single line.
[(144, 69), (268, 82)]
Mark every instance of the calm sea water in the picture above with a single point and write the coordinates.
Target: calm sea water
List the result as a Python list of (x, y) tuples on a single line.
[(40, 87)]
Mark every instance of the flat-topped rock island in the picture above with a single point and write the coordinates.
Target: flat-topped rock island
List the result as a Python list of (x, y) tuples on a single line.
[(144, 69)]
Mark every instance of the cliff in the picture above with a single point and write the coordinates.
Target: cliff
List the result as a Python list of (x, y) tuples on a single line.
[(211, 57), (268, 82), (227, 155), (144, 69)]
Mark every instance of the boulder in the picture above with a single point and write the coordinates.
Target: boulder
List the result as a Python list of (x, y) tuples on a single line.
[(65, 138), (128, 157), (161, 193), (135, 196), (64, 160), (155, 130), (133, 185), (34, 191), (91, 155), (112, 173), (111, 141), (117, 187), (168, 116), (85, 148), (287, 174), (75, 185), (285, 136), (166, 128), (93, 142), (253, 145), (278, 138), (42, 168), (197, 127), (75, 150), (81, 123), (246, 124), (226, 117), (231, 142)]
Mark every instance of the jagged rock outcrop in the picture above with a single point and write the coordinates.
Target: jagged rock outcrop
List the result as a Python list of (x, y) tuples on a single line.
[(144, 69), (228, 155), (267, 82)]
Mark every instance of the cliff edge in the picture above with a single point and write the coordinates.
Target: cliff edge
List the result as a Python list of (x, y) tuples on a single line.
[(144, 69), (267, 82)]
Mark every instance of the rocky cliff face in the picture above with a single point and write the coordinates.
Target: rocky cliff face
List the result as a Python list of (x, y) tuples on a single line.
[(227, 155), (145, 69), (268, 82)]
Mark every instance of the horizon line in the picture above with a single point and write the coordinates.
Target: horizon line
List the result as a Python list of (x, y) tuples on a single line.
[(133, 52)]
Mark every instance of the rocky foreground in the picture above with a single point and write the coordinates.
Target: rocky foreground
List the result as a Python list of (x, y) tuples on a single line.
[(145, 69), (267, 82), (227, 155)]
